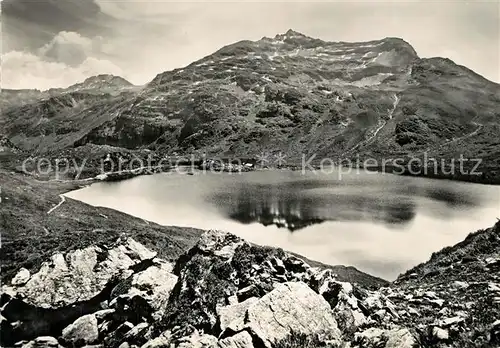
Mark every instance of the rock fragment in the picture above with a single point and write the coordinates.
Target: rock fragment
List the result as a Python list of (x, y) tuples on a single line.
[(82, 332)]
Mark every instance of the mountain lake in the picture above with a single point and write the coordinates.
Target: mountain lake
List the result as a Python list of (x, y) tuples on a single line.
[(382, 224)]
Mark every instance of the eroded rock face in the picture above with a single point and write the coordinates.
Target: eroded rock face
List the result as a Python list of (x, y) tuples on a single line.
[(267, 94), (60, 299), (79, 275), (228, 293), (227, 286)]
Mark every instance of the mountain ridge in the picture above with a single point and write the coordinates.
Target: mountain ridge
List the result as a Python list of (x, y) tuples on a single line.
[(291, 94), (130, 282), (102, 83)]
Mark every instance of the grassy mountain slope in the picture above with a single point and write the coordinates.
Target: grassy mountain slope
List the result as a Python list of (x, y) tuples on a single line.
[(290, 93)]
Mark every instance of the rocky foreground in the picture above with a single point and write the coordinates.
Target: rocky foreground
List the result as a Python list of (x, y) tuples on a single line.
[(225, 292)]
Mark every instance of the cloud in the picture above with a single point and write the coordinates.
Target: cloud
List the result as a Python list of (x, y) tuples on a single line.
[(28, 24), (67, 47), (26, 70), (67, 59)]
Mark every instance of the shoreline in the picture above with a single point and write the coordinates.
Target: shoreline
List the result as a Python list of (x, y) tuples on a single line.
[(68, 184), (35, 232), (101, 166), (98, 217), (62, 187)]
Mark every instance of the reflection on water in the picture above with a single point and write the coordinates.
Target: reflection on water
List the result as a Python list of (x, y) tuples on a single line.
[(382, 224), (293, 214), (451, 198), (296, 205)]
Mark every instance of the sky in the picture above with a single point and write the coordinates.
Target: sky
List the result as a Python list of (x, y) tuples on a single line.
[(56, 43)]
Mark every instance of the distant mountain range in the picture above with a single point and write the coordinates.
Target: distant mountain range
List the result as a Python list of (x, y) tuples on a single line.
[(292, 94), (100, 83)]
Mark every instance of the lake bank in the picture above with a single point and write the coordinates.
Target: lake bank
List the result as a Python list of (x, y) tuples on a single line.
[(366, 220), (450, 299), (114, 164), (31, 234)]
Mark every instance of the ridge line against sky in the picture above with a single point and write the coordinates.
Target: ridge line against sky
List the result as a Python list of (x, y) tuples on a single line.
[(56, 43)]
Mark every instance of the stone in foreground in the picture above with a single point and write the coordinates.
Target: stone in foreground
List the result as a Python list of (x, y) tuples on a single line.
[(292, 308)]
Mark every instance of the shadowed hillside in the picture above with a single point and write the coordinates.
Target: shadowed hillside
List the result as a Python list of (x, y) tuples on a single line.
[(290, 93)]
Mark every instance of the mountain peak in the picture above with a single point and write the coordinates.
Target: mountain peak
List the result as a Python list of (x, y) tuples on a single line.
[(96, 82), (102, 81), (107, 79), (290, 34)]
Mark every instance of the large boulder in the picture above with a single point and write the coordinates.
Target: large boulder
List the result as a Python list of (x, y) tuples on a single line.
[(240, 340), (223, 269), (144, 295), (381, 338), (197, 340), (154, 284), (162, 341), (292, 308), (136, 303), (347, 308), (21, 277), (82, 332), (232, 317), (223, 279), (78, 275), (73, 284), (42, 342)]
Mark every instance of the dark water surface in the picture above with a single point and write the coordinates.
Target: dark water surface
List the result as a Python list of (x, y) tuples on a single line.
[(381, 224)]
